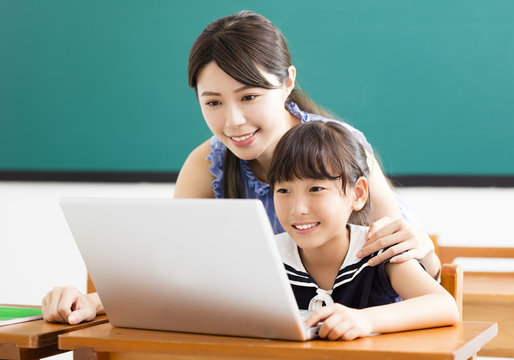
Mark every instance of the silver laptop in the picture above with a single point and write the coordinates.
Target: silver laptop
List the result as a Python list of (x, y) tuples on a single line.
[(190, 265)]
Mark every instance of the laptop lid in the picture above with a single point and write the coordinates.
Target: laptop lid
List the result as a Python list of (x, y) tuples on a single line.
[(189, 265)]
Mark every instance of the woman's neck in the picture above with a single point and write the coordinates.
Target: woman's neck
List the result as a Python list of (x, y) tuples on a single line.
[(261, 164), (324, 263)]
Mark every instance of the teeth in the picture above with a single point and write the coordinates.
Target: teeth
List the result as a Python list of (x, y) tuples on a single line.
[(305, 227), (241, 138)]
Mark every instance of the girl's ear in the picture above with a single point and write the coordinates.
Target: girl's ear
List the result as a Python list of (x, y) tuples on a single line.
[(361, 193), (290, 80)]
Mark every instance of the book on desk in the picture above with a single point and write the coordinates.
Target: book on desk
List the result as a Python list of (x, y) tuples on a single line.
[(14, 314)]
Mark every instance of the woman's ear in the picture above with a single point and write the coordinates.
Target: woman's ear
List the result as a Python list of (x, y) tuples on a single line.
[(361, 193), (291, 78)]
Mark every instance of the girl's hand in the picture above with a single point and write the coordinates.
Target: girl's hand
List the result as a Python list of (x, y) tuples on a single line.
[(68, 305), (340, 322), (404, 241)]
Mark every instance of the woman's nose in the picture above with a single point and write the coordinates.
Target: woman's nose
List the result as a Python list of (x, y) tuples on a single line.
[(234, 117)]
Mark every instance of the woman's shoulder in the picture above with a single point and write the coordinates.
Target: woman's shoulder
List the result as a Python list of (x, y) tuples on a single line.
[(198, 157), (194, 179)]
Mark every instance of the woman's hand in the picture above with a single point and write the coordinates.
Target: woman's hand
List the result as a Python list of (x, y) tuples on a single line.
[(340, 322), (68, 305), (403, 242)]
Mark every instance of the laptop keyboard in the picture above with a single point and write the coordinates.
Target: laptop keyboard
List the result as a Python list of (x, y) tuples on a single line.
[(304, 314)]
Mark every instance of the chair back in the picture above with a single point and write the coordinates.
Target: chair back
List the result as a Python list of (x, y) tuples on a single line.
[(452, 279)]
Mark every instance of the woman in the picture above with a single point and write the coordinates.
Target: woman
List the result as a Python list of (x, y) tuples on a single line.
[(241, 70)]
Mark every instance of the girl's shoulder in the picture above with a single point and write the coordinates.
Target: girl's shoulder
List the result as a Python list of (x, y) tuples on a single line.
[(288, 251), (357, 241)]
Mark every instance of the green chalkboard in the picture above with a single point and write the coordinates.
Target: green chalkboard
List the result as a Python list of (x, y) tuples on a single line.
[(102, 85)]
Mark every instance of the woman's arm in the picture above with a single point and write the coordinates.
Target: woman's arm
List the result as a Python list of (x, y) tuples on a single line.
[(389, 230), (194, 179), (426, 304), (68, 305), (383, 201)]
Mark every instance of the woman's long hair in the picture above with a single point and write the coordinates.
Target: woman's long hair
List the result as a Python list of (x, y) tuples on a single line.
[(240, 44)]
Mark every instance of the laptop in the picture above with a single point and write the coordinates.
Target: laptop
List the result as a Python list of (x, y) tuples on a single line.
[(190, 265)]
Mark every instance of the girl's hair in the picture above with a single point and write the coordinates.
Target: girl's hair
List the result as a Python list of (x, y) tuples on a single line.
[(240, 45), (321, 150)]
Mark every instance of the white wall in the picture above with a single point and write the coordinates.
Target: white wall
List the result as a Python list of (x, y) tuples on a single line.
[(37, 250), (466, 217)]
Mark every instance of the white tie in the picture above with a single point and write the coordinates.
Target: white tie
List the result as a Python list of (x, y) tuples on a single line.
[(322, 297)]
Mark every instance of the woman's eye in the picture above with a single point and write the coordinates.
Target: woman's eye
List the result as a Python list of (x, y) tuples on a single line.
[(316, 188), (282, 191), (248, 97), (212, 103)]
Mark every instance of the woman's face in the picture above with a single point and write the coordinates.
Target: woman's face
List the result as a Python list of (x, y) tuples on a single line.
[(248, 120)]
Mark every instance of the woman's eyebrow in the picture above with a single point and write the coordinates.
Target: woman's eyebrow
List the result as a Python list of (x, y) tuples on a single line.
[(210, 93), (239, 89)]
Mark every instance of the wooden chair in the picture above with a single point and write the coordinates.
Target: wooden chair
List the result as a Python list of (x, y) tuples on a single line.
[(452, 281), (487, 296), (447, 254), (90, 286)]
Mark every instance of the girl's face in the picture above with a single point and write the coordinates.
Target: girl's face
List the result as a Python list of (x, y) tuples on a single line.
[(315, 211), (248, 120)]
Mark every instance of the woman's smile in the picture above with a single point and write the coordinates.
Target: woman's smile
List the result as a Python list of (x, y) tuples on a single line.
[(243, 140)]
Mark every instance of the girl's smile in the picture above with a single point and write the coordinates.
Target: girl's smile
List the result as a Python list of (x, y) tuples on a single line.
[(305, 228)]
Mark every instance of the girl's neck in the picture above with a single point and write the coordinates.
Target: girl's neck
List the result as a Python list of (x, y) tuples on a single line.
[(324, 263)]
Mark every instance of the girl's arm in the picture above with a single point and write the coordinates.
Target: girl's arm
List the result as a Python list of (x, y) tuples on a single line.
[(390, 230), (194, 179), (426, 304)]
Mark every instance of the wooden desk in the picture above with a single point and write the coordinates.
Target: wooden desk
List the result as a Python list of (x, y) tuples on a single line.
[(461, 341), (35, 339), (487, 296), (490, 297)]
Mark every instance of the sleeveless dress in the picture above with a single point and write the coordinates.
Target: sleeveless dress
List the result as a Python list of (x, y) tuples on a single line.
[(254, 188)]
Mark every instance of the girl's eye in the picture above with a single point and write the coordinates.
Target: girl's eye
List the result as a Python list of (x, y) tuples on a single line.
[(248, 97), (316, 188), (212, 103), (282, 191)]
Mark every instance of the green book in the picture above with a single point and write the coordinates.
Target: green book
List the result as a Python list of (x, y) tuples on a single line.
[(13, 315)]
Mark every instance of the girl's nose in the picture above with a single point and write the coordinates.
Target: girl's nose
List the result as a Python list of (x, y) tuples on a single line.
[(299, 206)]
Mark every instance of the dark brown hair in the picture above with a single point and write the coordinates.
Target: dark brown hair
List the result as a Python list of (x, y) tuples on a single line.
[(240, 45), (321, 150)]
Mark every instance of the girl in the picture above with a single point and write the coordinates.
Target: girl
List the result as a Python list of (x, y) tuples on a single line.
[(319, 178), (241, 71)]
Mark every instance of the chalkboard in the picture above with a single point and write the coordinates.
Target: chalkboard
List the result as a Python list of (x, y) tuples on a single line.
[(102, 85)]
